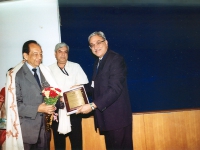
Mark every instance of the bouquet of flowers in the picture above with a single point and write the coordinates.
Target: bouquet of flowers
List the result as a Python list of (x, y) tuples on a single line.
[(51, 96)]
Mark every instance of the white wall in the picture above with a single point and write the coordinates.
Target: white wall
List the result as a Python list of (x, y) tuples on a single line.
[(25, 20)]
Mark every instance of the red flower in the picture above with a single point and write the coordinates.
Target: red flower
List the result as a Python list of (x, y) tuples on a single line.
[(52, 94), (57, 89)]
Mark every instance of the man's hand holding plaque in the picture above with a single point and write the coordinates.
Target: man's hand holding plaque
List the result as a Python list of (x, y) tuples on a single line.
[(74, 98)]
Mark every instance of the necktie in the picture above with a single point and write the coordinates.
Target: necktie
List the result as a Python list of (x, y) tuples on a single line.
[(36, 76), (98, 65)]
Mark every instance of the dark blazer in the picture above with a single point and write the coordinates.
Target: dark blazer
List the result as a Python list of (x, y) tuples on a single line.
[(29, 97), (110, 93)]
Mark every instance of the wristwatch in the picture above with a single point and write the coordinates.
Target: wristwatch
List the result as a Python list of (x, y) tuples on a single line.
[(91, 106)]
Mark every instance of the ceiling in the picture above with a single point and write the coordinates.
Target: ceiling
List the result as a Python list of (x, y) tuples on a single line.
[(125, 2), (130, 2)]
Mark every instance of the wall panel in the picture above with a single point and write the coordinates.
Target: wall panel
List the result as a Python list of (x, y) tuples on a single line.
[(175, 130)]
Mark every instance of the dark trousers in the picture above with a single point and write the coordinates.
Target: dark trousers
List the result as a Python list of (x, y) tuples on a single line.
[(75, 135), (43, 142), (120, 139)]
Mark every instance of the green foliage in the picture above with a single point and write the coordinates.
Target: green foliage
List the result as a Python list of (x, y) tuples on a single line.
[(50, 101)]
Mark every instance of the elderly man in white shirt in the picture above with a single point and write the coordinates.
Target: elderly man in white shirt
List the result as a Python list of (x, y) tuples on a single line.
[(67, 74)]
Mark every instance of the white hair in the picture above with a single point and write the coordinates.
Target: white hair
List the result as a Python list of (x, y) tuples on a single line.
[(99, 33), (60, 45)]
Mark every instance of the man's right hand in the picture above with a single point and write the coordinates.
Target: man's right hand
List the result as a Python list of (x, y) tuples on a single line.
[(49, 109)]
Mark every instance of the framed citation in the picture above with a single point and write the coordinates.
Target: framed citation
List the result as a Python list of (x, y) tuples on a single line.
[(74, 98)]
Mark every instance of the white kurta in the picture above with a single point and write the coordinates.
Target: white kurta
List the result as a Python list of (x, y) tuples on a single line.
[(76, 76)]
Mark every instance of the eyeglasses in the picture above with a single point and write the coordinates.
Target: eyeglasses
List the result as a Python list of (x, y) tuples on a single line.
[(97, 44)]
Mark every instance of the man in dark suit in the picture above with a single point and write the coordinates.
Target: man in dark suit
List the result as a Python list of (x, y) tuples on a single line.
[(111, 104), (30, 100)]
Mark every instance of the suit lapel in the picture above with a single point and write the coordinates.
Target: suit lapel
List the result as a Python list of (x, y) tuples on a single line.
[(29, 76), (95, 69), (44, 83), (100, 68)]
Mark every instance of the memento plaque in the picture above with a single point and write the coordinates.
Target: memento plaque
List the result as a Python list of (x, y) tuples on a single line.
[(74, 98)]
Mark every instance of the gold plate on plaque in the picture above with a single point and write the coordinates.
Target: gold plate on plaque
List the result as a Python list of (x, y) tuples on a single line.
[(75, 98)]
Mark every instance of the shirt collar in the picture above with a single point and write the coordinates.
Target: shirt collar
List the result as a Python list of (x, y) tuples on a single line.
[(30, 67)]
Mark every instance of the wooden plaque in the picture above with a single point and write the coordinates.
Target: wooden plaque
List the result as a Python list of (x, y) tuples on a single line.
[(74, 98)]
